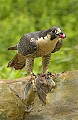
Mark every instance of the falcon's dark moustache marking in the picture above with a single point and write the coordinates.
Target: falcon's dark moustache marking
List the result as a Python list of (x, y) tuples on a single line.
[(53, 37)]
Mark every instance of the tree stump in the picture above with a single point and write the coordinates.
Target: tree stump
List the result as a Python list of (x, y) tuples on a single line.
[(38, 98)]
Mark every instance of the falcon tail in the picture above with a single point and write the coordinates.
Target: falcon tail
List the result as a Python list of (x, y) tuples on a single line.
[(18, 62), (13, 48)]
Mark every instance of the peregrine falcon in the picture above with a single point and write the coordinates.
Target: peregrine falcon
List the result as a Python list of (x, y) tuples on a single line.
[(36, 44)]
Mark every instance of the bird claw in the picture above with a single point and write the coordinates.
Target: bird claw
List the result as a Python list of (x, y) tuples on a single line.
[(32, 76)]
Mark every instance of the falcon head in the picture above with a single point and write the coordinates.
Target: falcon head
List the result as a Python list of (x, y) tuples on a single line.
[(56, 32)]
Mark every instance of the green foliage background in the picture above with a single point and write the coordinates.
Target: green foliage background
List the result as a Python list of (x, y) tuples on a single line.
[(18, 17)]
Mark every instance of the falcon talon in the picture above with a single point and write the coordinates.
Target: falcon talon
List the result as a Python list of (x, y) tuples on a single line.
[(34, 75), (49, 73), (43, 75), (36, 44), (38, 74)]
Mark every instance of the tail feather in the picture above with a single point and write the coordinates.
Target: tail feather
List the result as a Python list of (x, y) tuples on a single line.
[(18, 62), (13, 48)]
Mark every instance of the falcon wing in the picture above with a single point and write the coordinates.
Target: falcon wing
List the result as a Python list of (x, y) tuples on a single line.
[(58, 46), (27, 45), (18, 62)]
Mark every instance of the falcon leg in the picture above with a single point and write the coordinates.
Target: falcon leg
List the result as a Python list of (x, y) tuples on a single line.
[(29, 65), (45, 62)]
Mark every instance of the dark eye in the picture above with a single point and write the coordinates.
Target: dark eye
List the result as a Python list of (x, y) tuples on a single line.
[(53, 31)]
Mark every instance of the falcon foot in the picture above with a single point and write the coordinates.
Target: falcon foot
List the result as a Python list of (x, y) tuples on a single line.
[(54, 76)]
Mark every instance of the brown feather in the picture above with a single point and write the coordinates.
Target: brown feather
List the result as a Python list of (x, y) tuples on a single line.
[(13, 48), (18, 62)]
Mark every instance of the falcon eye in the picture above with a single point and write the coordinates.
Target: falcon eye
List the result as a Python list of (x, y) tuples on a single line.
[(53, 31)]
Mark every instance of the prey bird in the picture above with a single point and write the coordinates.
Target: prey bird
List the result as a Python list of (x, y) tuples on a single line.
[(36, 44)]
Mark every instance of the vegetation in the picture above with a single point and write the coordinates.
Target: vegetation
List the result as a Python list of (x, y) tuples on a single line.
[(18, 17)]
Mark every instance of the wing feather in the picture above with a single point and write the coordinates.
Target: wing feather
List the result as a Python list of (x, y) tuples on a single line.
[(27, 45), (58, 46)]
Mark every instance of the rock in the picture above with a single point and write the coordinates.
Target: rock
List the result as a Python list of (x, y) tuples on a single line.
[(61, 101)]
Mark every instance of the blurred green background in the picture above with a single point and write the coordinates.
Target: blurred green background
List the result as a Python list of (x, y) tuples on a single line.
[(18, 17)]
